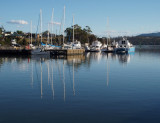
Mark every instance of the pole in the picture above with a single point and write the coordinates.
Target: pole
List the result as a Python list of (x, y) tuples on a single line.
[(31, 32), (73, 29), (52, 25), (63, 23), (41, 23)]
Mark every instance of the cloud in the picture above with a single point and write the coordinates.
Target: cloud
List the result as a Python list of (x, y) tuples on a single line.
[(23, 22)]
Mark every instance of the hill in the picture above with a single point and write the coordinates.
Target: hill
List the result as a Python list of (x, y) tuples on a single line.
[(157, 34)]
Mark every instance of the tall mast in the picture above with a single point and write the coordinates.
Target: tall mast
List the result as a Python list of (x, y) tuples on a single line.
[(63, 23), (48, 34), (52, 24), (41, 23), (108, 30), (31, 32), (73, 29)]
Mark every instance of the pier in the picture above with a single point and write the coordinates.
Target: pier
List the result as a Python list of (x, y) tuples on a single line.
[(55, 52), (63, 53), (14, 51)]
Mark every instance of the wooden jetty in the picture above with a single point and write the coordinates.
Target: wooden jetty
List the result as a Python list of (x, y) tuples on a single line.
[(55, 52), (14, 51), (66, 52)]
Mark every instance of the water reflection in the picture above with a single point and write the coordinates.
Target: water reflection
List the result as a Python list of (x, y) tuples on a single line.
[(122, 58), (49, 72), (95, 84)]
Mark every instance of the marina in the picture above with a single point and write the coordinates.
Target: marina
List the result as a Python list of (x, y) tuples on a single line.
[(79, 61)]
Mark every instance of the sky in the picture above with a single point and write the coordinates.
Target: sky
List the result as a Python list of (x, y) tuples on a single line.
[(126, 17)]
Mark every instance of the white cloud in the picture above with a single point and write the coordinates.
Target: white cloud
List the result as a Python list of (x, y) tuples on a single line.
[(23, 22)]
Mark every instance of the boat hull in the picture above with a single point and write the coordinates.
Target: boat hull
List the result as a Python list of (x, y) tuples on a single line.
[(39, 52), (125, 50)]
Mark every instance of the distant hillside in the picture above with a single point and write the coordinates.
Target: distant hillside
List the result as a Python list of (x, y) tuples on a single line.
[(150, 35), (141, 40)]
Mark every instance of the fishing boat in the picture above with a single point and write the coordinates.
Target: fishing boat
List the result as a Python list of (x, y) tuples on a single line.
[(124, 46), (96, 46)]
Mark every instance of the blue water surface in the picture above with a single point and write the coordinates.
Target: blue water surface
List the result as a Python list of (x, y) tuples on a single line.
[(94, 88)]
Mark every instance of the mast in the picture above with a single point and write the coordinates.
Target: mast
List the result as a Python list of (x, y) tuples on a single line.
[(52, 25), (41, 23), (108, 30), (31, 32), (63, 23), (73, 30), (48, 34)]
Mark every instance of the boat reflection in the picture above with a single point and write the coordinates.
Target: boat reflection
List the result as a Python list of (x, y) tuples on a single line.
[(54, 69), (47, 71), (122, 58)]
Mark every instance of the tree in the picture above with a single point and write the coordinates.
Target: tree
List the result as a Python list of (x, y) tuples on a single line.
[(88, 30), (19, 32), (45, 33), (0, 31), (79, 33)]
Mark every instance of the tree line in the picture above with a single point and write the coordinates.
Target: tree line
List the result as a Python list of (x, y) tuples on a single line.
[(84, 35)]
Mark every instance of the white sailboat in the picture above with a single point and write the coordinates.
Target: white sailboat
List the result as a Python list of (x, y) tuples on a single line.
[(40, 50), (107, 47), (31, 45), (75, 44)]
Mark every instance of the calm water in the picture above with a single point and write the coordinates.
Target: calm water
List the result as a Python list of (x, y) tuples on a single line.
[(95, 88)]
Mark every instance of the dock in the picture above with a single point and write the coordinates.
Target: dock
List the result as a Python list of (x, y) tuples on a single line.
[(55, 52), (14, 51), (63, 53)]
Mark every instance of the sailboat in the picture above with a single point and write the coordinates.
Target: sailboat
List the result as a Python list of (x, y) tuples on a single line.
[(75, 44), (31, 45), (106, 47), (50, 46), (40, 50)]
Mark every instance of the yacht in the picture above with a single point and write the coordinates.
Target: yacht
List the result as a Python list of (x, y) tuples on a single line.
[(76, 45), (124, 46), (109, 48), (87, 48), (71, 45), (96, 46)]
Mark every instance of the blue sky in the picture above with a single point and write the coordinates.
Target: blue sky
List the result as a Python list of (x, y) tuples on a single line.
[(126, 17)]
